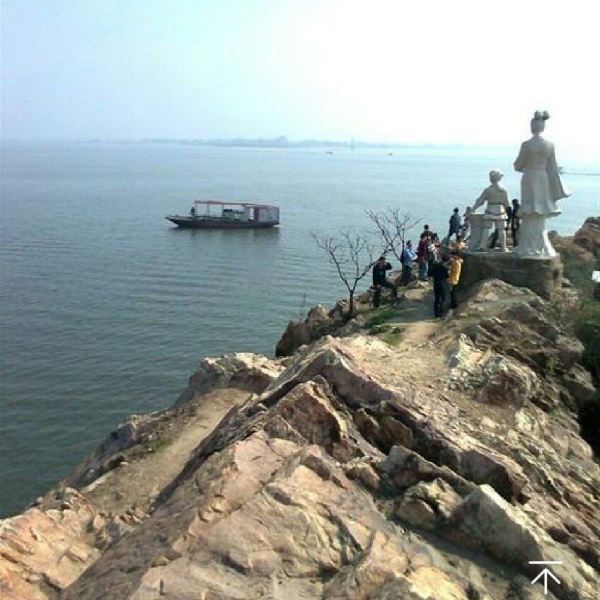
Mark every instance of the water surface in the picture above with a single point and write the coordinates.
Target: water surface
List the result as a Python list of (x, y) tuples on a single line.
[(106, 308)]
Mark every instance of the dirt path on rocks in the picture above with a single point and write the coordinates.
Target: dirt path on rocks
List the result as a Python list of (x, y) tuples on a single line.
[(416, 318), (411, 355), (135, 484)]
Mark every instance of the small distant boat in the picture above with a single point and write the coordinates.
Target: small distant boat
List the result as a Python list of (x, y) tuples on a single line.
[(214, 214)]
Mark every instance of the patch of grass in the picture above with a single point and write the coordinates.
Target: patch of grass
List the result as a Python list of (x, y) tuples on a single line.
[(578, 272), (379, 329), (149, 447), (382, 316), (391, 337)]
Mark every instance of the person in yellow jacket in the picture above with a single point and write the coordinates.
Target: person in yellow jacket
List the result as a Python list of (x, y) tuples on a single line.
[(455, 270)]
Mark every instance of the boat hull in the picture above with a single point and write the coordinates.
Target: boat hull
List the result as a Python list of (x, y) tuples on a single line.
[(200, 223)]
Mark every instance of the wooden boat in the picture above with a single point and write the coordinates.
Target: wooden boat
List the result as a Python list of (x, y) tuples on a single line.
[(214, 214)]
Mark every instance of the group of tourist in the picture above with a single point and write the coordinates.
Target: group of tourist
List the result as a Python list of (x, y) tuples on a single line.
[(442, 264), (439, 261), (541, 189)]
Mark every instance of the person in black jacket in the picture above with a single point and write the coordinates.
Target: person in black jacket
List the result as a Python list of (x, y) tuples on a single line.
[(515, 221), (381, 281), (439, 272), (455, 224)]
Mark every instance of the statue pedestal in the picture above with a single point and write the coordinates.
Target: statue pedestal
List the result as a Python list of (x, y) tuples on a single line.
[(541, 275), (480, 232)]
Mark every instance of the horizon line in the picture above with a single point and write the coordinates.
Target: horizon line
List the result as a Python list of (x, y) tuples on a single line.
[(283, 140)]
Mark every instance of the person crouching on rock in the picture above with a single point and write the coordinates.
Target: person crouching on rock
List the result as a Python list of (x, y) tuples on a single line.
[(381, 281), (440, 272), (454, 277)]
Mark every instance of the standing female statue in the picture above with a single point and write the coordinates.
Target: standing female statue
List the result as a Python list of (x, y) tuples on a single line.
[(541, 188)]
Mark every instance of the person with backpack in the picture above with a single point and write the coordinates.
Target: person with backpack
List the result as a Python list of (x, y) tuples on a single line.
[(408, 256)]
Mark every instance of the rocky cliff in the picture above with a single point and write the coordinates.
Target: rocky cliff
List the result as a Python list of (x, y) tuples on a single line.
[(412, 459)]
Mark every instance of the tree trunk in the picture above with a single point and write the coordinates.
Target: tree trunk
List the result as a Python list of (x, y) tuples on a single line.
[(351, 306)]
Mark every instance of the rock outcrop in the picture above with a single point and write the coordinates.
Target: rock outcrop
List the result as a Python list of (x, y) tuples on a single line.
[(588, 236), (434, 469), (543, 276)]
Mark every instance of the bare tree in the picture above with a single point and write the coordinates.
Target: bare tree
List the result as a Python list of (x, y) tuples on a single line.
[(353, 256), (393, 225)]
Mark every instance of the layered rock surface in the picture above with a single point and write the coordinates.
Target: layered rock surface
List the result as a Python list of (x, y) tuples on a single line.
[(435, 468)]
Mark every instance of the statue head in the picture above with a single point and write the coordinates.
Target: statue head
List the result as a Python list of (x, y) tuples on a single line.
[(495, 176), (538, 123)]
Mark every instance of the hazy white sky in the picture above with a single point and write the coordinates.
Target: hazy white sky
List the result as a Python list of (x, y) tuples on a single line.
[(410, 71)]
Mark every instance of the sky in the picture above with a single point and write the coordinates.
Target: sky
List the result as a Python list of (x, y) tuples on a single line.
[(426, 71)]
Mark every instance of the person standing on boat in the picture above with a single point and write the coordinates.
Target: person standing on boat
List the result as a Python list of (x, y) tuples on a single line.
[(380, 280), (193, 212)]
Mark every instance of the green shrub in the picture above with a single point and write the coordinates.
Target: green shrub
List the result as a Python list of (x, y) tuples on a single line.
[(382, 316), (587, 328)]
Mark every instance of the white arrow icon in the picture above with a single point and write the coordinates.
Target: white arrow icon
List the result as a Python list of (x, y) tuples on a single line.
[(546, 572)]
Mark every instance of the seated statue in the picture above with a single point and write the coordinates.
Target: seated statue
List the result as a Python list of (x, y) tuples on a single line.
[(495, 215)]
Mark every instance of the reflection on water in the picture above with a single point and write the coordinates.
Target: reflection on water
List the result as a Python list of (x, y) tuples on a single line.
[(266, 233)]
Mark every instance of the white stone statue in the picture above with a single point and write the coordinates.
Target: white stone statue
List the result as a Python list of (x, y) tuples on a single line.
[(477, 233), (495, 216), (541, 188)]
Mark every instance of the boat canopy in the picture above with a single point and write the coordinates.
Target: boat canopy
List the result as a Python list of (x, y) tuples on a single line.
[(223, 203), (238, 211)]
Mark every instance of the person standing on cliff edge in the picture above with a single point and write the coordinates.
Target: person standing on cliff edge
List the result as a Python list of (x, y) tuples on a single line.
[(455, 224), (380, 280)]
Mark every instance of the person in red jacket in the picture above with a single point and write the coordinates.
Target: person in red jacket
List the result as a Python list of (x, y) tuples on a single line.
[(423, 256)]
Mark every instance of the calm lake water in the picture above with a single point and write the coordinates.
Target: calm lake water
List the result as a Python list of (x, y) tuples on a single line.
[(106, 309)]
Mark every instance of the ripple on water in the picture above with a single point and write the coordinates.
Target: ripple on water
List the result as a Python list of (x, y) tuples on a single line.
[(105, 309)]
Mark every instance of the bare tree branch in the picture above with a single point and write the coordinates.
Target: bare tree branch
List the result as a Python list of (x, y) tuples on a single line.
[(352, 254), (393, 226)]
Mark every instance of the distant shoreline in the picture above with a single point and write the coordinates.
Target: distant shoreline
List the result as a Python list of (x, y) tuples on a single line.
[(279, 142)]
